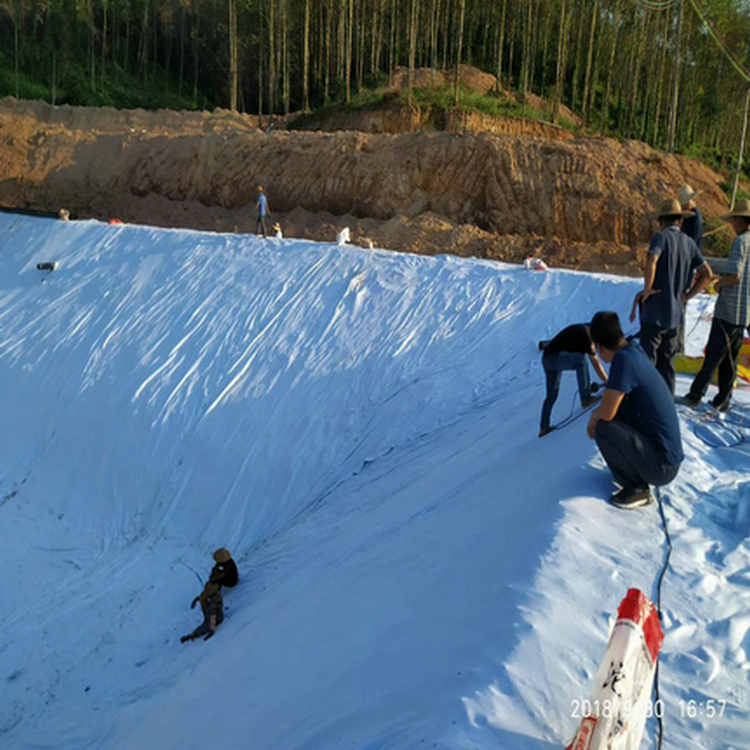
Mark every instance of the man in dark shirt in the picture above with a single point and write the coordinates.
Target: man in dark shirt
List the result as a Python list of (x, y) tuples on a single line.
[(225, 571), (568, 351), (692, 226), (636, 425), (671, 265)]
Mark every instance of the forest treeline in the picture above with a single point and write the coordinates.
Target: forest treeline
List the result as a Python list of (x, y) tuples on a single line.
[(613, 62)]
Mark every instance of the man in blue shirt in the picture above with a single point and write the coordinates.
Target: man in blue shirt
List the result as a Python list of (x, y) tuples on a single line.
[(671, 265), (261, 206), (635, 426)]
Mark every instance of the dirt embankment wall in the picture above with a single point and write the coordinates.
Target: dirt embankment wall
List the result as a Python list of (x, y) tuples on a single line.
[(494, 195)]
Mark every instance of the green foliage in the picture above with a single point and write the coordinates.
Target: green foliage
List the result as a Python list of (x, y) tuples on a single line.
[(706, 154), (115, 89), (436, 99), (726, 186), (28, 88)]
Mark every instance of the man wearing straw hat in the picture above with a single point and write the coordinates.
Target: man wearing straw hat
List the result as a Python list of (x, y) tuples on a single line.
[(671, 265), (731, 316)]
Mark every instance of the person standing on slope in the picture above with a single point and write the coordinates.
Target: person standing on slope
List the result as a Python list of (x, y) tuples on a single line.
[(635, 426), (731, 316), (672, 263), (568, 351), (261, 206)]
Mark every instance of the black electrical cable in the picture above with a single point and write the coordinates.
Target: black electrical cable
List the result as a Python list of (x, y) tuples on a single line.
[(657, 703)]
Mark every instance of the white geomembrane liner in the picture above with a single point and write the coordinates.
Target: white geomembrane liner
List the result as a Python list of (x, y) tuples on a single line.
[(359, 428)]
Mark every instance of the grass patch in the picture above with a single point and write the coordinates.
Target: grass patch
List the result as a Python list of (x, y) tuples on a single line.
[(436, 99)]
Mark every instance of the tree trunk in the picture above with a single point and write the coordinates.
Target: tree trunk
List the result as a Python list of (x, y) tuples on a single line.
[(560, 71), (286, 88), (660, 90), (500, 46), (17, 20), (676, 82), (616, 18), (577, 53), (182, 49), (196, 54), (327, 56), (740, 150), (54, 77), (587, 88), (271, 57), (104, 39), (143, 44), (349, 29), (392, 45), (361, 46), (92, 46), (233, 56), (413, 10), (306, 60), (462, 15)]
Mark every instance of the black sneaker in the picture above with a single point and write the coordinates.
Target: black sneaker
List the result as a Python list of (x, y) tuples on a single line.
[(594, 387), (633, 498), (723, 408), (688, 400)]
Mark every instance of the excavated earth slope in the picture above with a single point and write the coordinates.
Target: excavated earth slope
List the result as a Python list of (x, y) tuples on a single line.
[(578, 202)]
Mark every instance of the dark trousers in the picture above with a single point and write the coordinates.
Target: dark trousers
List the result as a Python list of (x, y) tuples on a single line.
[(722, 350), (661, 346), (554, 366), (634, 459), (261, 224), (205, 627)]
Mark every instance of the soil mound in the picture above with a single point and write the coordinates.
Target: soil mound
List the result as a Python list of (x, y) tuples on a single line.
[(580, 202), (427, 78)]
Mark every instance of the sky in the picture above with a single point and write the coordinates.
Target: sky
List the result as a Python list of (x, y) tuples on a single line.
[(360, 429)]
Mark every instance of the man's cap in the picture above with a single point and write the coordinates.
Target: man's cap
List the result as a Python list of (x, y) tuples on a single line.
[(222, 555)]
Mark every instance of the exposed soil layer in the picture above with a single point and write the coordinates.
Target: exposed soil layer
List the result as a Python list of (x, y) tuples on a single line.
[(578, 202)]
